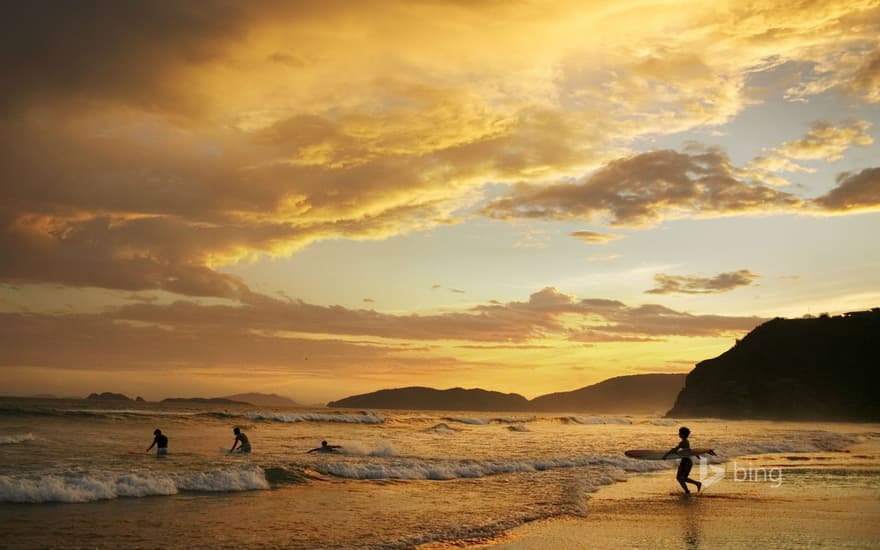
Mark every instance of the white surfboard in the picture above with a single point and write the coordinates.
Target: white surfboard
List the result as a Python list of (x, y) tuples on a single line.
[(655, 454)]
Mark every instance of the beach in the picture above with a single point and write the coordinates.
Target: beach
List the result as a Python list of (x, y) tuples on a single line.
[(829, 500), (421, 479)]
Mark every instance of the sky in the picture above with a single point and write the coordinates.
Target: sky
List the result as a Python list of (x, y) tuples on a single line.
[(319, 199)]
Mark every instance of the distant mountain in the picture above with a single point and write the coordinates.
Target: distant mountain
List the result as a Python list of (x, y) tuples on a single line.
[(203, 400), (640, 393), (263, 399), (455, 399), (636, 394), (822, 368), (108, 396)]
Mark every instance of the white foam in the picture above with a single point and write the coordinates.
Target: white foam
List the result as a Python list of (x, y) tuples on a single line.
[(87, 487), (802, 442), (412, 469), (380, 448), (365, 418), (18, 438)]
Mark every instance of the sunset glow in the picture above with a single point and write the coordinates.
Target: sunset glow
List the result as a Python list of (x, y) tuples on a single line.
[(324, 198)]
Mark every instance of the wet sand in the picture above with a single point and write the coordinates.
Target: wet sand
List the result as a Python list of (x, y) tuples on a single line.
[(818, 501)]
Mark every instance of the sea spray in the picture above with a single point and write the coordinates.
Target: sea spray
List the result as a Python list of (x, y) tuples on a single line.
[(441, 470), (17, 438), (364, 418), (91, 486), (379, 448)]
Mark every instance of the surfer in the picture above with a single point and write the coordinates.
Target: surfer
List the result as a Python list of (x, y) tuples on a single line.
[(240, 437), (684, 468), (160, 441), (324, 448)]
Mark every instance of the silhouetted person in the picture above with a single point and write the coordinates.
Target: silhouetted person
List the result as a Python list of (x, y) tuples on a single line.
[(240, 437), (324, 448), (160, 441), (684, 468)]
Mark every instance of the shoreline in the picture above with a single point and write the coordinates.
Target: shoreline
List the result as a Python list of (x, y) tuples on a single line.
[(819, 500)]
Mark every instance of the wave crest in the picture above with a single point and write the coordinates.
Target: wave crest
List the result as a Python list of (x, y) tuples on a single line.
[(88, 487), (594, 420), (362, 418), (443, 470), (17, 438)]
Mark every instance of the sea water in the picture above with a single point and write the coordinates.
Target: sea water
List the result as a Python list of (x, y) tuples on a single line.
[(75, 474)]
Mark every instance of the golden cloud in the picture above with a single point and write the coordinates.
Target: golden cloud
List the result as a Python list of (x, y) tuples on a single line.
[(145, 145), (859, 191), (643, 188), (592, 237), (268, 334), (271, 339), (866, 81), (691, 284), (547, 313), (824, 141)]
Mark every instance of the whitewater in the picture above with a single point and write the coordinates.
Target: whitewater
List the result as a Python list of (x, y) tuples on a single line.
[(76, 474)]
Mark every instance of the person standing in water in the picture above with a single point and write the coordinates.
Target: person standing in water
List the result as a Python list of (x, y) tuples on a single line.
[(240, 437), (160, 441), (684, 468)]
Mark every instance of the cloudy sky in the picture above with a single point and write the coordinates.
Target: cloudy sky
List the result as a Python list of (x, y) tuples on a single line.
[(325, 198)]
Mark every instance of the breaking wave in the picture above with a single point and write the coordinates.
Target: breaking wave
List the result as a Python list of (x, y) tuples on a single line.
[(380, 448), (594, 420), (805, 442), (441, 428), (18, 438), (361, 418), (88, 487), (442, 470)]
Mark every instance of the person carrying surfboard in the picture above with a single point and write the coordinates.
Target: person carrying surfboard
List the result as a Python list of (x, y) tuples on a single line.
[(240, 437), (160, 441), (684, 467)]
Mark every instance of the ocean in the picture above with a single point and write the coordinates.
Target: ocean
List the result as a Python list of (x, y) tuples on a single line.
[(75, 474)]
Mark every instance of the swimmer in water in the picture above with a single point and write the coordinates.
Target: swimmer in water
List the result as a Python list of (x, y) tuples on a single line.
[(324, 448)]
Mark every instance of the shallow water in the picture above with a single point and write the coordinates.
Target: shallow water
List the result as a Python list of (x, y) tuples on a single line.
[(74, 474)]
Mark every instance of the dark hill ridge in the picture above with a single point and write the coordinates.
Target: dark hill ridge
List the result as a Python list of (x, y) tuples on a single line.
[(455, 399), (203, 400), (641, 393), (263, 399), (636, 394), (108, 396), (824, 368)]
